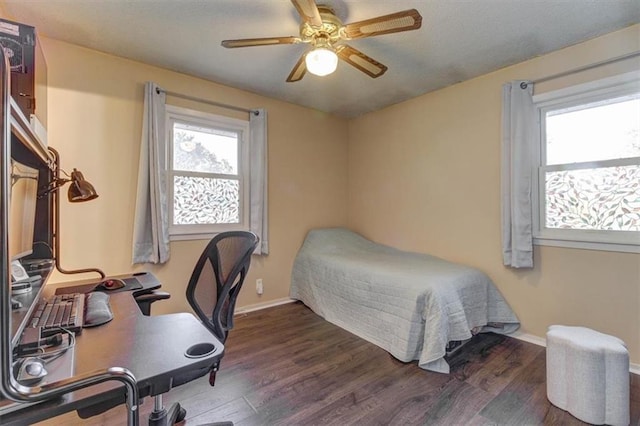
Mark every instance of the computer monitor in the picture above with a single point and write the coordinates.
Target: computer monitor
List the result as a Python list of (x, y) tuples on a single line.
[(22, 210)]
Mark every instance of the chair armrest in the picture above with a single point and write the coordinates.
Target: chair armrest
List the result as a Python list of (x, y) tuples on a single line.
[(145, 300)]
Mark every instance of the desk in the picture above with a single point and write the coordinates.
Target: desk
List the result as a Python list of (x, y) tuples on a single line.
[(152, 348)]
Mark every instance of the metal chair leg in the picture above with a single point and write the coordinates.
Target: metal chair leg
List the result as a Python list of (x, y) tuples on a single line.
[(162, 417)]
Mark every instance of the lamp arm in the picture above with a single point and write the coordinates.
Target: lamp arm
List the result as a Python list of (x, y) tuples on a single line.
[(56, 223), (56, 246), (54, 185)]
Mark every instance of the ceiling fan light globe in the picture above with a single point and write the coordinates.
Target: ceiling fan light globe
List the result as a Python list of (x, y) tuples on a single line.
[(321, 61)]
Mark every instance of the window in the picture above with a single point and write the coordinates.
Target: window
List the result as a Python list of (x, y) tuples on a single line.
[(588, 186), (208, 176)]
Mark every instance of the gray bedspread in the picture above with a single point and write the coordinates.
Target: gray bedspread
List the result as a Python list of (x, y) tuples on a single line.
[(409, 304)]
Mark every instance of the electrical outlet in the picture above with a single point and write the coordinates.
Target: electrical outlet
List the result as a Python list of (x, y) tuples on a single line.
[(259, 288)]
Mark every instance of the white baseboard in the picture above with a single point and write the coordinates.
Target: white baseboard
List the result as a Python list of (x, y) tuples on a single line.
[(526, 337), (264, 305)]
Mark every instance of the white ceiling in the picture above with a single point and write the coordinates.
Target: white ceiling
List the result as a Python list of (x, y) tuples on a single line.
[(459, 39)]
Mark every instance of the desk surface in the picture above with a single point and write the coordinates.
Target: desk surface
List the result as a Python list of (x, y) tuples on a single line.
[(152, 348)]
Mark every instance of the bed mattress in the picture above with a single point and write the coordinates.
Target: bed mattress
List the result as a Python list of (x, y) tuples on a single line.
[(409, 304)]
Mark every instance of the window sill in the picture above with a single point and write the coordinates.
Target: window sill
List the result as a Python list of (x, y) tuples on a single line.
[(186, 237), (587, 245)]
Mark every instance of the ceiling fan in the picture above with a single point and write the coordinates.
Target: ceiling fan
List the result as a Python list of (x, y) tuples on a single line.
[(326, 34)]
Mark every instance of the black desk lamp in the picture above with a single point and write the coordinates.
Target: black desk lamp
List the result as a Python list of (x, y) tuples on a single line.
[(79, 191)]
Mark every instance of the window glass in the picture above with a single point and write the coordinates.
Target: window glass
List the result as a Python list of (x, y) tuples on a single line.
[(198, 200), (596, 131), (203, 149), (209, 177), (606, 199)]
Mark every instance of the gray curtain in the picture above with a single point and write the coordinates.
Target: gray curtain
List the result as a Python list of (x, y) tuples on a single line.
[(151, 225), (258, 214), (519, 136)]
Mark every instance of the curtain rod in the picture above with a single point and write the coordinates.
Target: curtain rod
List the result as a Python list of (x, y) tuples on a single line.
[(583, 68), (206, 101)]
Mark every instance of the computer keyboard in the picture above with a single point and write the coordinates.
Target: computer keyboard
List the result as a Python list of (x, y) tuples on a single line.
[(60, 311)]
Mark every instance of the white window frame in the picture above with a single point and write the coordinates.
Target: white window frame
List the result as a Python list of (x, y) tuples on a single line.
[(623, 241), (198, 118)]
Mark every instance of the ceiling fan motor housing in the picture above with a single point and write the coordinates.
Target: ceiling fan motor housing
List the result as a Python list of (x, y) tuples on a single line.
[(327, 34)]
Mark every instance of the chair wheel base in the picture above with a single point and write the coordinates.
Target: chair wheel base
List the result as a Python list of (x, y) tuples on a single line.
[(174, 415)]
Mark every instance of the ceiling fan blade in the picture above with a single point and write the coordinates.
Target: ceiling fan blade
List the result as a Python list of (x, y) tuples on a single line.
[(309, 11), (406, 20), (356, 58), (298, 71), (248, 42)]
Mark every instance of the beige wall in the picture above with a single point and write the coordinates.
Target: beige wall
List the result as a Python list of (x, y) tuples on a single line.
[(424, 175), (95, 116)]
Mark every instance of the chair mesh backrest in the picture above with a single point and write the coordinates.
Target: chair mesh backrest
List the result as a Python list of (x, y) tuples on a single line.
[(217, 279)]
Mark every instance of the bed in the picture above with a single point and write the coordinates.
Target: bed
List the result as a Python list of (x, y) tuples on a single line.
[(412, 305)]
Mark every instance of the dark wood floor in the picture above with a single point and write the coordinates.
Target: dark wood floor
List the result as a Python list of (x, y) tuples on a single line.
[(286, 365)]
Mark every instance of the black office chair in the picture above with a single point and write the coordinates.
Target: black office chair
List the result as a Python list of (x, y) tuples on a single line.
[(212, 292)]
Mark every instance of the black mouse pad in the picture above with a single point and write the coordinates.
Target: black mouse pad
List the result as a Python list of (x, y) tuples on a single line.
[(130, 284)]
